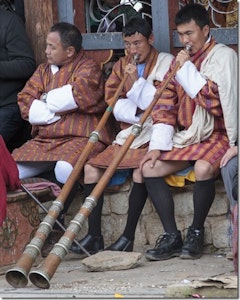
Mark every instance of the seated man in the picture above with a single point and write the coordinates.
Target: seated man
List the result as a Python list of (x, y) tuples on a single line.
[(195, 122), (63, 100), (148, 71)]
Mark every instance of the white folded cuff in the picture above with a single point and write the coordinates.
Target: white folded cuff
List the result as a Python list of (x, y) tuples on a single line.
[(141, 93), (40, 114), (61, 99), (161, 138), (125, 111), (190, 79)]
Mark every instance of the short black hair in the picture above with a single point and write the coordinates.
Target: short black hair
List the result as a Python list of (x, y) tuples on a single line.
[(195, 12), (137, 24), (69, 34)]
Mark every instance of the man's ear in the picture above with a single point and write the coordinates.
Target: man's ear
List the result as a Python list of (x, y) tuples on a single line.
[(206, 30), (70, 51), (151, 39)]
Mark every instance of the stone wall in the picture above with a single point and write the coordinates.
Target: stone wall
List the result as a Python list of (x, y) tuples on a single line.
[(149, 227)]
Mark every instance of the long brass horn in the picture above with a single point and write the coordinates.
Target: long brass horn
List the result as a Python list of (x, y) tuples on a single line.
[(18, 275), (41, 277)]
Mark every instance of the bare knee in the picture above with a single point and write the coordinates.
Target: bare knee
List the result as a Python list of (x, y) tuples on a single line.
[(137, 176), (91, 174), (203, 170), (152, 171)]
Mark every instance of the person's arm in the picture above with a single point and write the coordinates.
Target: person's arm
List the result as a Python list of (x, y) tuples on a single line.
[(88, 88), (20, 63)]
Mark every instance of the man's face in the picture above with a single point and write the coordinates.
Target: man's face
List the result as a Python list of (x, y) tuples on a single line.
[(138, 44), (56, 54), (191, 34)]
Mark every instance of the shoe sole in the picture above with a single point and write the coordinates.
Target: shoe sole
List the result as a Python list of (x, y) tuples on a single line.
[(154, 258), (188, 255)]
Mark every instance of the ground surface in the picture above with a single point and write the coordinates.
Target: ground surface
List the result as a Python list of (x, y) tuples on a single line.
[(149, 280)]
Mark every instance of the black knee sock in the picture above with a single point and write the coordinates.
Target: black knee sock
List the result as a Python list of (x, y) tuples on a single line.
[(94, 218), (203, 196), (137, 199), (162, 199)]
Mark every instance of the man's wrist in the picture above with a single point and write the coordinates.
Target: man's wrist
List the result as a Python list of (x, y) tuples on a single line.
[(44, 97)]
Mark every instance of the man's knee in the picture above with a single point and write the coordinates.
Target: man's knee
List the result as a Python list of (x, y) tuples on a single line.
[(91, 174), (203, 170), (137, 176), (62, 170)]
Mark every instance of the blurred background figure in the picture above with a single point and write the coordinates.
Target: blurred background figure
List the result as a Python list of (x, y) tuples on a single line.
[(17, 64)]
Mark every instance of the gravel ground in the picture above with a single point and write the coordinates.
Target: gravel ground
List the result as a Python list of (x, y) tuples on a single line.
[(148, 280)]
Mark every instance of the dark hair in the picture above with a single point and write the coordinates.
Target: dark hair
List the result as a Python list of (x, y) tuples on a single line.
[(139, 25), (195, 12), (69, 34)]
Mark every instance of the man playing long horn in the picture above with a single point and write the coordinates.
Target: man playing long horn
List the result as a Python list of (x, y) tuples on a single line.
[(195, 122), (146, 68)]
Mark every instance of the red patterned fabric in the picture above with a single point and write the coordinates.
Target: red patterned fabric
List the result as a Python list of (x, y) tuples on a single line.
[(9, 179), (131, 160)]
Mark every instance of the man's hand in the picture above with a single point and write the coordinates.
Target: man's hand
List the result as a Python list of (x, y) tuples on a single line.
[(182, 57), (152, 155), (131, 70), (231, 152)]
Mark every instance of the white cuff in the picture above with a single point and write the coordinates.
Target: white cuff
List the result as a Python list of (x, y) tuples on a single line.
[(161, 138), (141, 93), (40, 114), (190, 79), (61, 99), (125, 111)]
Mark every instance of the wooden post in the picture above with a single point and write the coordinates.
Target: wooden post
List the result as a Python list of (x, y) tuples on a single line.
[(40, 15)]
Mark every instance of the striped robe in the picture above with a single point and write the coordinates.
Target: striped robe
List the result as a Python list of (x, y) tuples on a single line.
[(154, 72), (66, 138), (176, 108)]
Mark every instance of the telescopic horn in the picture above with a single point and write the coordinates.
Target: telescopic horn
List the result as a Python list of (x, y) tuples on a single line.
[(42, 276), (18, 275)]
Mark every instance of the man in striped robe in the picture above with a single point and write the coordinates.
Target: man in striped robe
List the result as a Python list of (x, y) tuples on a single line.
[(63, 101), (195, 122)]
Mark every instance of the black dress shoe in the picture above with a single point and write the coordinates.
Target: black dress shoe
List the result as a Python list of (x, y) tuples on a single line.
[(92, 244), (122, 244)]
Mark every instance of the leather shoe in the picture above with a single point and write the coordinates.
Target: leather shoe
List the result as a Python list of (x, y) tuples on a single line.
[(122, 244), (92, 244), (193, 245), (167, 245)]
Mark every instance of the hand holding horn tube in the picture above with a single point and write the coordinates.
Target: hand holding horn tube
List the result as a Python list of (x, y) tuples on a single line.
[(183, 56)]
